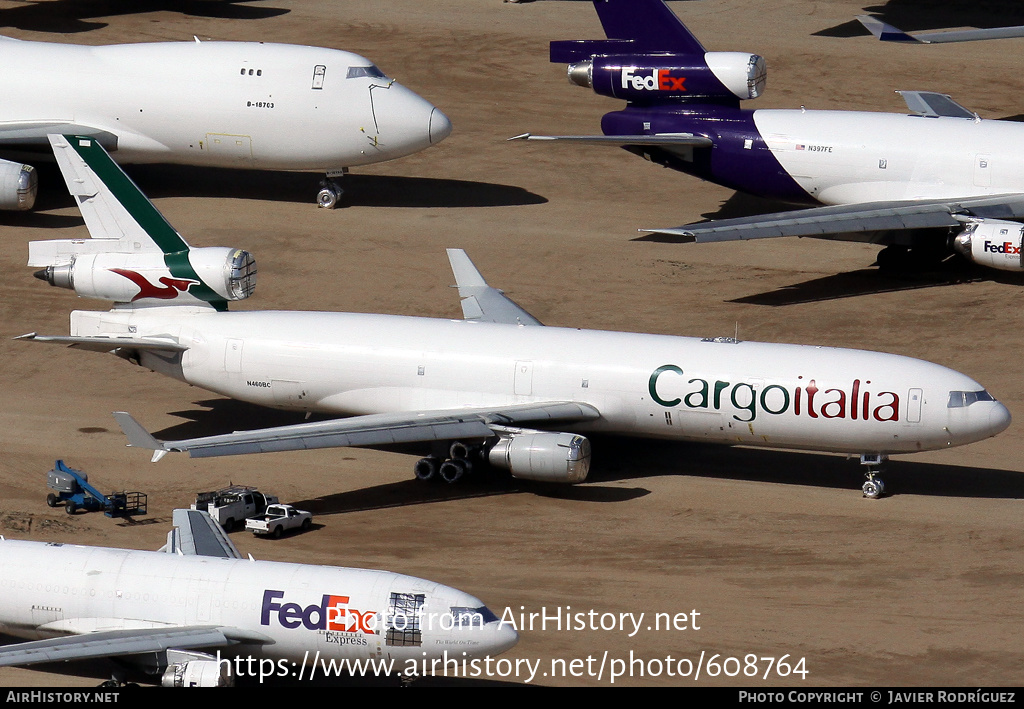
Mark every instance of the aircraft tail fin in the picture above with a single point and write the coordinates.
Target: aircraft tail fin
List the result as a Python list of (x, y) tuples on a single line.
[(632, 26), (134, 256), (112, 205), (651, 59)]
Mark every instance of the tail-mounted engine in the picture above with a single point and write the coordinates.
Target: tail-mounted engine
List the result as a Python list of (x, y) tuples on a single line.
[(18, 186), (538, 455), (993, 243), (653, 78), (212, 274)]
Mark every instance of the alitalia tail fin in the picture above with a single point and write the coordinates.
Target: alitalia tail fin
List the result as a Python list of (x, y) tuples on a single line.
[(112, 205), (134, 256)]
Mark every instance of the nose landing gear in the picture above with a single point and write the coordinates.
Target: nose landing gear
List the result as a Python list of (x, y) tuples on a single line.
[(331, 192), (873, 487)]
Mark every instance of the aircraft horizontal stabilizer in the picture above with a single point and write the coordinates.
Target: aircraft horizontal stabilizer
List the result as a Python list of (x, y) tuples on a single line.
[(115, 643), (480, 301), (887, 33), (663, 139), (841, 219), (935, 105), (369, 430), (106, 344), (34, 134)]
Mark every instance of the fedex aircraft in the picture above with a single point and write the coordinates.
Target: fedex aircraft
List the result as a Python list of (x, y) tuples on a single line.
[(495, 387), (217, 104), (165, 613), (924, 184)]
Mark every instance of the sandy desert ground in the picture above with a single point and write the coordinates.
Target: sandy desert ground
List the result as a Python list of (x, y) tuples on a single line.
[(777, 551)]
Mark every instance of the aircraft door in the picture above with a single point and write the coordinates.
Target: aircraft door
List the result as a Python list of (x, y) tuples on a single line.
[(524, 379), (288, 393), (233, 356), (914, 401), (319, 72), (697, 425), (229, 150), (982, 170)]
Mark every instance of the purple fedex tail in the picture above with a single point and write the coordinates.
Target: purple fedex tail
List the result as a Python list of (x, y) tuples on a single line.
[(632, 27), (651, 58), (683, 102)]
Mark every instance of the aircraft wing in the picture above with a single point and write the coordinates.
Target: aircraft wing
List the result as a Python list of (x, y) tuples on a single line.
[(888, 33), (662, 139), (34, 134), (196, 533), (847, 218), (369, 430), (106, 344), (114, 643), (480, 301)]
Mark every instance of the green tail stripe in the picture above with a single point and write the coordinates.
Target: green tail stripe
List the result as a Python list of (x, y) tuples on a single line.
[(128, 194), (148, 216)]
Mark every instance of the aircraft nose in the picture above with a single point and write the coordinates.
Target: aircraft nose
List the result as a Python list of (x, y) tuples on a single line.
[(406, 122), (998, 419), (439, 127), (502, 637)]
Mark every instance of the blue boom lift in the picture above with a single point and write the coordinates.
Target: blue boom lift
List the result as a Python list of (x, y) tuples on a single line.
[(72, 489)]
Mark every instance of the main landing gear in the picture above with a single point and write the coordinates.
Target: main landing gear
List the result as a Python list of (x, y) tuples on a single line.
[(873, 487), (451, 466), (330, 189)]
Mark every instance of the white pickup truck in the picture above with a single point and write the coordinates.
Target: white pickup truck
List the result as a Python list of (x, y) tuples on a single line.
[(278, 519)]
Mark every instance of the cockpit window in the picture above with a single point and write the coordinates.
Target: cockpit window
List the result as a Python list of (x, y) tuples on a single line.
[(371, 71), (463, 617), (960, 399)]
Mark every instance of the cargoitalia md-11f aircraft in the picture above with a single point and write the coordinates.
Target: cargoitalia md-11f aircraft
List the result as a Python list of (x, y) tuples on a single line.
[(926, 184), (162, 614), (215, 104), (496, 387)]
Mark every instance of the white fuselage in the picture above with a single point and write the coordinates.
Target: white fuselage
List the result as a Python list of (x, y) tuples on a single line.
[(50, 590), (227, 104), (848, 157), (792, 396)]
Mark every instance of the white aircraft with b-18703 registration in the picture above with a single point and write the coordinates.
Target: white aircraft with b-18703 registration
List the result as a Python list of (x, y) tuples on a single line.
[(162, 614), (216, 104), (489, 387)]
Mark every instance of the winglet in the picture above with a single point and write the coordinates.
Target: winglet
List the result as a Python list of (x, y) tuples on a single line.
[(465, 272), (480, 301), (884, 31), (139, 437)]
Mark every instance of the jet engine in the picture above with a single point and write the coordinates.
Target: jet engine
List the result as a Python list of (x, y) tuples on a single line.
[(198, 673), (537, 455), (993, 243), (643, 79), (204, 274), (18, 186)]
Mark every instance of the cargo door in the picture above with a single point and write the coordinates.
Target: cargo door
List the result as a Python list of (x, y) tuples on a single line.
[(229, 150)]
